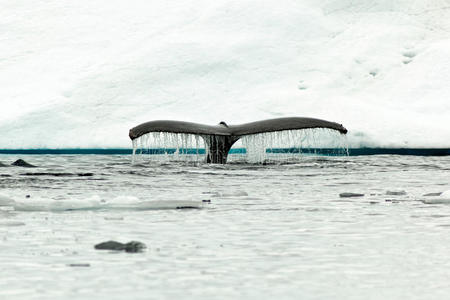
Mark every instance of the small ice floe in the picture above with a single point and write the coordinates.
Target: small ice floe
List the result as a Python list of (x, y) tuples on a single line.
[(11, 223), (113, 218), (396, 193), (350, 195), (84, 265), (48, 204), (132, 247), (432, 194), (95, 202), (134, 203), (168, 204), (443, 198), (230, 194)]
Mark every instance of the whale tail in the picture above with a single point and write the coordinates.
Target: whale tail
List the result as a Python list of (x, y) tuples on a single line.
[(220, 138)]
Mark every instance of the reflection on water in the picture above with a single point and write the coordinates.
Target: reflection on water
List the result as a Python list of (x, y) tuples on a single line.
[(262, 231)]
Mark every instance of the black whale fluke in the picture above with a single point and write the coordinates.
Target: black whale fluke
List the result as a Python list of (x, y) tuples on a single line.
[(220, 138)]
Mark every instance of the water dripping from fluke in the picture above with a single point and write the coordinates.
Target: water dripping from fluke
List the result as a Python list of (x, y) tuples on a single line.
[(282, 139)]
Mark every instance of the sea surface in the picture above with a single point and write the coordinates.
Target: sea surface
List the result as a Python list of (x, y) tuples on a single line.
[(286, 230)]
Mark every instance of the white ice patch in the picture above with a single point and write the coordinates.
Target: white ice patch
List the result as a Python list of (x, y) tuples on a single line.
[(48, 204), (443, 198), (79, 74), (11, 223), (35, 204), (230, 194), (168, 204)]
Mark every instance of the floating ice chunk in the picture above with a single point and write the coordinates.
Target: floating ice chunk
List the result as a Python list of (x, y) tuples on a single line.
[(47, 204), (95, 203), (231, 194), (432, 194), (437, 201), (168, 204), (444, 198), (114, 218), (11, 223), (79, 265), (134, 203)]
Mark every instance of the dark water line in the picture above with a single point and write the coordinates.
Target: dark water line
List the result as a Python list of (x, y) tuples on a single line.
[(317, 151)]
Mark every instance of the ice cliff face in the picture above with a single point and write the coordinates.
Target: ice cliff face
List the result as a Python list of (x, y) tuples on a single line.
[(81, 73)]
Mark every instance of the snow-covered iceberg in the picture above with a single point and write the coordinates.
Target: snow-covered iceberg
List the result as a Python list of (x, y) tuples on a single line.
[(82, 73)]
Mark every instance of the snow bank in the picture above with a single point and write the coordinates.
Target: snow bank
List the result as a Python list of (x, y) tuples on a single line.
[(81, 73)]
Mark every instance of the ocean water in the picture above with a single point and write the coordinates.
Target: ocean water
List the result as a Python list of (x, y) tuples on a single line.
[(235, 231)]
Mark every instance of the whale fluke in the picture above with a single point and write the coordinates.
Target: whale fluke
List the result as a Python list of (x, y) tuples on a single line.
[(221, 137), (280, 124)]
